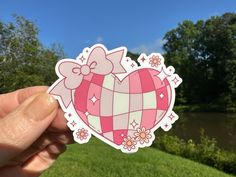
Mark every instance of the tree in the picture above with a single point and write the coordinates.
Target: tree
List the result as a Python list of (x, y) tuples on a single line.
[(24, 61), (204, 54)]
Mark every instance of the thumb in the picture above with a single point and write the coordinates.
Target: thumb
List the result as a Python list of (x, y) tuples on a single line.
[(23, 126)]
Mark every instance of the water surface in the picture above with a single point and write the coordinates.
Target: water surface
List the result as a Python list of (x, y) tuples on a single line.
[(220, 126)]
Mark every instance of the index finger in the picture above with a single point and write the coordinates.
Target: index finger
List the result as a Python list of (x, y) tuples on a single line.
[(11, 101)]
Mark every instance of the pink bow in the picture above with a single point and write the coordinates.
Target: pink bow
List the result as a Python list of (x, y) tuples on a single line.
[(73, 73)]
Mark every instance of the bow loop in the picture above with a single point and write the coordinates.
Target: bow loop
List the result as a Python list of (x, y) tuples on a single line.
[(73, 73)]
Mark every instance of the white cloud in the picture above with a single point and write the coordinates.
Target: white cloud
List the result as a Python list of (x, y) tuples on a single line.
[(99, 39), (215, 14), (148, 48)]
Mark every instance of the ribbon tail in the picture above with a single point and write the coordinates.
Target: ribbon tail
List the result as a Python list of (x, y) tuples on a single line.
[(64, 93), (116, 58)]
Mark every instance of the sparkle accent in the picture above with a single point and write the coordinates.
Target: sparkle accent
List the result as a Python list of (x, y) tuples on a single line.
[(82, 59), (73, 123), (175, 80), (171, 116), (133, 124), (93, 99), (162, 75), (86, 113), (143, 59), (132, 65), (162, 95)]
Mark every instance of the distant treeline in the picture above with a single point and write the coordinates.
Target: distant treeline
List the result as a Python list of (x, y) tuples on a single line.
[(203, 54), (24, 61)]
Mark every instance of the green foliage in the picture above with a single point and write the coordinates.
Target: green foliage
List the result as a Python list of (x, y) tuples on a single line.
[(206, 151), (133, 56), (213, 107), (96, 159), (23, 60), (171, 144), (204, 55)]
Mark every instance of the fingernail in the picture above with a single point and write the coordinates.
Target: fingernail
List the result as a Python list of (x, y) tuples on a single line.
[(41, 107)]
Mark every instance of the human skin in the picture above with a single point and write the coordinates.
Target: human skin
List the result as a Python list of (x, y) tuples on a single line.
[(33, 132)]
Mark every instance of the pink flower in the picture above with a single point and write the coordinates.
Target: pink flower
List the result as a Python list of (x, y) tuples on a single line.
[(129, 143), (82, 134), (155, 61), (142, 135)]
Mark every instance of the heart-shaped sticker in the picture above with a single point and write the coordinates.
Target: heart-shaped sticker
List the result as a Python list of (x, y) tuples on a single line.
[(106, 94)]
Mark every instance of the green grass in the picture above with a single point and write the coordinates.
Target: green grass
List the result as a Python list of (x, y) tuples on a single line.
[(96, 159)]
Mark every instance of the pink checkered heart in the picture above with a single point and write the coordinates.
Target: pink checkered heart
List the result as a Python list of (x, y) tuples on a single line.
[(105, 93)]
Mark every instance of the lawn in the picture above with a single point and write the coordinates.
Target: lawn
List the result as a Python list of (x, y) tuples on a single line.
[(96, 159)]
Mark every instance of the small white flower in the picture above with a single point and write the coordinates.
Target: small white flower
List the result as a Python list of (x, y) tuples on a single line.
[(129, 143), (155, 61), (142, 135), (82, 134)]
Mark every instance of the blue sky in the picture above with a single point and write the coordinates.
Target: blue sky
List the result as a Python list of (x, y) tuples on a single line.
[(139, 25)]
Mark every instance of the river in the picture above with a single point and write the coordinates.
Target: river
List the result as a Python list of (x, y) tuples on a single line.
[(220, 126)]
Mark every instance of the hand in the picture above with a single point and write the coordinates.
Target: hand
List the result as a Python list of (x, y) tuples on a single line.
[(33, 132)]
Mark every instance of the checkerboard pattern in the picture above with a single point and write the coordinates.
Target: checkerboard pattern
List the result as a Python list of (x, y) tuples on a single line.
[(116, 109)]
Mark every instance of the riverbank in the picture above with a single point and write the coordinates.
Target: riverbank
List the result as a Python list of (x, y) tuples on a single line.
[(205, 108), (206, 151)]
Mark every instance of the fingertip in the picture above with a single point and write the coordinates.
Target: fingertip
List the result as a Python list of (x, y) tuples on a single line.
[(59, 123), (25, 93), (41, 107)]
